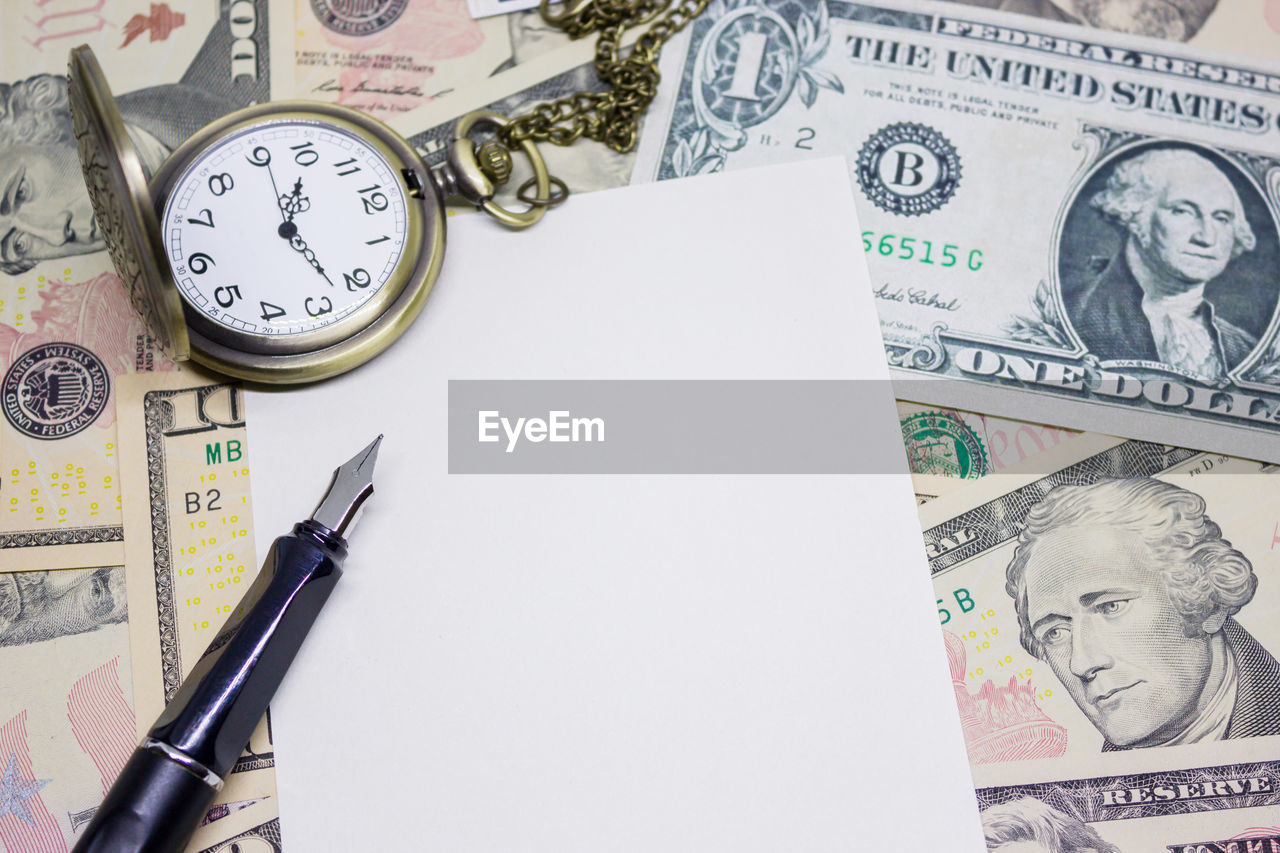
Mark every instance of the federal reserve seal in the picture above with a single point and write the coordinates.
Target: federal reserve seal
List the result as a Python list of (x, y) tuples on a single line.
[(909, 169), (358, 17), (55, 390), (941, 443)]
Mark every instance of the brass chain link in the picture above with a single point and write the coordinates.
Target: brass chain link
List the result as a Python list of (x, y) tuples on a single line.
[(612, 116)]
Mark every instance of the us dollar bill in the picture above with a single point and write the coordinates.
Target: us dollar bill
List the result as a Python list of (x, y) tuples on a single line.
[(948, 447), (1040, 825), (1072, 226), (66, 712), (550, 74), (244, 828), (67, 330), (1109, 609), (189, 554), (67, 724), (1245, 28), (392, 57)]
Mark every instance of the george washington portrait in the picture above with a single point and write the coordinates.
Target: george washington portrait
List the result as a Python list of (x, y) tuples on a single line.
[(1182, 280)]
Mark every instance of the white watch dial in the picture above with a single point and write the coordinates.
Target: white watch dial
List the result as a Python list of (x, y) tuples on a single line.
[(285, 227)]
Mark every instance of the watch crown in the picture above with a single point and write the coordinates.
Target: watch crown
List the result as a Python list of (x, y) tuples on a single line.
[(495, 161)]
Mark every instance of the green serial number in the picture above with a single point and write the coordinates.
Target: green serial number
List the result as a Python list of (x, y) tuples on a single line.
[(923, 251)]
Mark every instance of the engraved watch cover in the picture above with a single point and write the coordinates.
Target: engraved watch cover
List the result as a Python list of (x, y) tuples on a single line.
[(121, 204)]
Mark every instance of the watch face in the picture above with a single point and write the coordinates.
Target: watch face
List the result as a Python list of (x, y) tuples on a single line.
[(283, 229)]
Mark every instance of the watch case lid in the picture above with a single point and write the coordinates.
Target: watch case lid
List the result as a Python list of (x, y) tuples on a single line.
[(122, 204)]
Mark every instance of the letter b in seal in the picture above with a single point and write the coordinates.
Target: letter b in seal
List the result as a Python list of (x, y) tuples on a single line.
[(907, 173), (909, 169)]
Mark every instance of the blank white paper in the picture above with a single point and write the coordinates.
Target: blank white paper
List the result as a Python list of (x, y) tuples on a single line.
[(618, 663)]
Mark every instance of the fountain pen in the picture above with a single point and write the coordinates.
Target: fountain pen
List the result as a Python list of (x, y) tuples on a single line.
[(170, 781)]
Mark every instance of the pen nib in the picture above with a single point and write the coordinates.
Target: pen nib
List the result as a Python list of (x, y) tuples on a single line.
[(352, 484)]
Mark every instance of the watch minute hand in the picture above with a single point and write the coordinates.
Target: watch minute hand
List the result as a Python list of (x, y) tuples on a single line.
[(262, 157), (290, 231)]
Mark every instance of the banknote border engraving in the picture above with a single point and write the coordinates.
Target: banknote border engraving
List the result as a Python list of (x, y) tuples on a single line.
[(1154, 794), (77, 536), (995, 522), (927, 354), (1252, 840), (870, 14), (268, 832), (90, 370), (1092, 48), (156, 415)]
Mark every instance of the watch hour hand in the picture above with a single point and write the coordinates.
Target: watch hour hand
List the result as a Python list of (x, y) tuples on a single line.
[(291, 204), (294, 202)]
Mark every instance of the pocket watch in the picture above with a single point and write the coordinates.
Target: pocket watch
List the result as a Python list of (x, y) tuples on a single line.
[(284, 242), (294, 240)]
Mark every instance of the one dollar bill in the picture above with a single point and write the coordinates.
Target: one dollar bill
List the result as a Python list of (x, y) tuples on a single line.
[(545, 77), (1072, 226), (1251, 29)]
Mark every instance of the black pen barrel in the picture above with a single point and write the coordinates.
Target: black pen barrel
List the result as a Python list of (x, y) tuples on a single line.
[(153, 807), (222, 700), (170, 782)]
